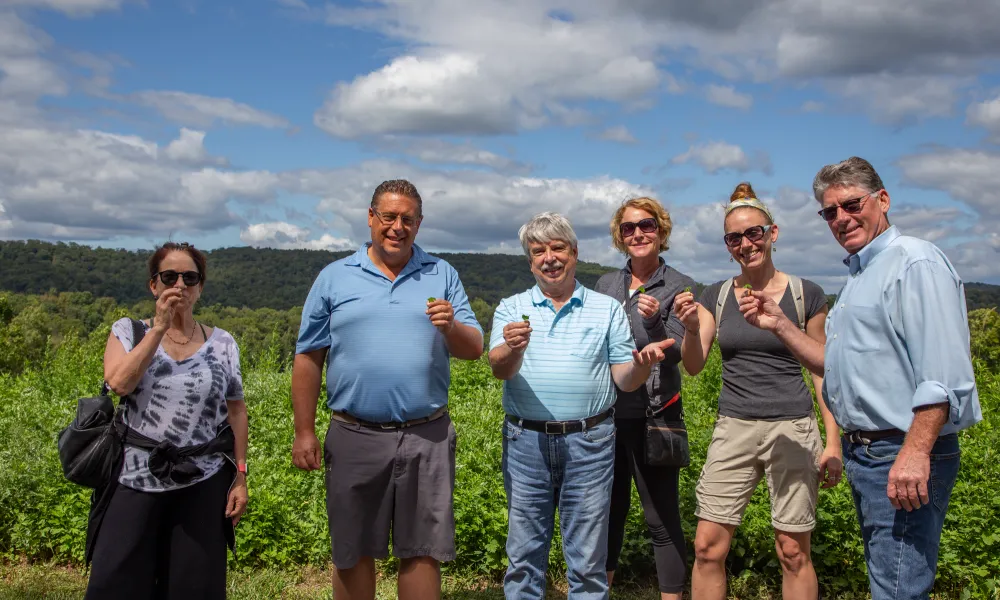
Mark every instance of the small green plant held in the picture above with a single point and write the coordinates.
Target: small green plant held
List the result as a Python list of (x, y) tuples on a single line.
[(431, 299), (748, 288), (525, 317), (687, 289), (642, 289)]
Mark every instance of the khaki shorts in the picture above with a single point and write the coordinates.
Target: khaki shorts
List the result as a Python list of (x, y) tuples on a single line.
[(741, 451)]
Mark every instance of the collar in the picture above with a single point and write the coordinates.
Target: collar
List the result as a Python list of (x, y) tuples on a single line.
[(657, 274), (858, 261), (361, 259), (539, 299)]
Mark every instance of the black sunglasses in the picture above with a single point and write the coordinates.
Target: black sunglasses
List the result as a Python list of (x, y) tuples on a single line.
[(754, 234), (851, 207), (191, 278), (645, 225)]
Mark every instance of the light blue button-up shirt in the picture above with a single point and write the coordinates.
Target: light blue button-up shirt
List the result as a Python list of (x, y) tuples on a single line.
[(898, 339), (565, 373), (387, 362)]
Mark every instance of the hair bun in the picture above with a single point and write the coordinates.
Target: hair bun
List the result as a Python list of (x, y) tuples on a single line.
[(743, 190)]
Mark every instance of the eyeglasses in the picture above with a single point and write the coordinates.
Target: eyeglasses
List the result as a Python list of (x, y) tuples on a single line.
[(390, 219), (645, 225), (851, 207), (754, 234), (191, 278)]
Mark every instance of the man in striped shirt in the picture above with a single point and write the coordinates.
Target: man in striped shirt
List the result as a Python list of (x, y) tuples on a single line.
[(559, 388)]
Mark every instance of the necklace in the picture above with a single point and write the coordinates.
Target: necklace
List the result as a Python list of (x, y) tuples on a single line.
[(185, 342)]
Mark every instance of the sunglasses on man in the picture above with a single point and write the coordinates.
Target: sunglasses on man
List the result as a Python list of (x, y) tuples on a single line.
[(190, 278), (645, 225), (754, 234), (851, 207)]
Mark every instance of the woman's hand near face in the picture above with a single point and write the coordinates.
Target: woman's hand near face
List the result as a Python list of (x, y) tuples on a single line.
[(166, 307)]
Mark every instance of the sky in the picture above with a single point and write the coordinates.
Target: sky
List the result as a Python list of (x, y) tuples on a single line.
[(269, 123)]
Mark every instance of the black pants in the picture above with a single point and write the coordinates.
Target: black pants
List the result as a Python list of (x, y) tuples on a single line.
[(658, 492), (163, 545)]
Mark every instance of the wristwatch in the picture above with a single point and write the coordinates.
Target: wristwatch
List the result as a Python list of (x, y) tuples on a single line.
[(242, 468)]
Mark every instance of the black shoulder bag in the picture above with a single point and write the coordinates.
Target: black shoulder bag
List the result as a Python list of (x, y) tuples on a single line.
[(90, 446)]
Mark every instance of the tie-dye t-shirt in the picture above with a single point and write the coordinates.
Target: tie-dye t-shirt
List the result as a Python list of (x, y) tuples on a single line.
[(183, 402)]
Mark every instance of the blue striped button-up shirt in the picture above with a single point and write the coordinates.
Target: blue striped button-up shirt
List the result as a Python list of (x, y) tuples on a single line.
[(898, 339), (565, 373)]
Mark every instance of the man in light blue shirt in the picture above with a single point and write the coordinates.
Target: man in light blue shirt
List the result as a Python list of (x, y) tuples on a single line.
[(559, 388), (898, 378), (386, 320)]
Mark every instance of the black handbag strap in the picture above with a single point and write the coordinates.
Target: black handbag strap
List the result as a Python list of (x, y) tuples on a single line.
[(138, 332)]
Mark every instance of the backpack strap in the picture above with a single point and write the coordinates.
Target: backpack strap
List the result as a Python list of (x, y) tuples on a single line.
[(138, 332), (727, 285), (795, 283)]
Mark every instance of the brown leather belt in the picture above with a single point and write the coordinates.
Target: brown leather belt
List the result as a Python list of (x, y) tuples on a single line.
[(561, 427), (434, 416), (867, 437)]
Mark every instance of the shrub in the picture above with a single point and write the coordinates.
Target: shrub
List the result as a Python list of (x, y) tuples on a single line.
[(42, 516)]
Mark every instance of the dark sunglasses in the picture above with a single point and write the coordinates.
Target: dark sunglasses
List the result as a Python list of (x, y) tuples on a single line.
[(645, 225), (754, 234), (191, 278), (851, 207)]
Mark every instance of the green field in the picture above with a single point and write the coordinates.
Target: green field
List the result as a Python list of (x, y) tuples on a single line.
[(283, 546)]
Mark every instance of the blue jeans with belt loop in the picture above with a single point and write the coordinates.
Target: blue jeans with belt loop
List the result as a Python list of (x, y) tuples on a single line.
[(574, 472), (901, 548)]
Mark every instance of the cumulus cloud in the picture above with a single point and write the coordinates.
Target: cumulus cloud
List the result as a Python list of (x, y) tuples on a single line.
[(190, 148), (897, 98), (278, 234), (966, 175), (85, 184), (496, 67), (73, 8), (717, 156), (26, 74), (618, 133), (438, 151), (726, 95), (205, 111), (986, 115)]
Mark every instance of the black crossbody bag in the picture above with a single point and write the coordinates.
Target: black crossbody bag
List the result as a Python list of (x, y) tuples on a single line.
[(90, 447), (666, 441)]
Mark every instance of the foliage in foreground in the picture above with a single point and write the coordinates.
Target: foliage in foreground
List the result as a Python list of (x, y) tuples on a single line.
[(42, 517)]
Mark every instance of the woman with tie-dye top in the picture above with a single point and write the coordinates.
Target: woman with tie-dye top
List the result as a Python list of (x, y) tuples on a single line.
[(165, 530)]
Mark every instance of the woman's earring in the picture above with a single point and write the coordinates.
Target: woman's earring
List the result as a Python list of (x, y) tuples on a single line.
[(774, 247), (730, 259)]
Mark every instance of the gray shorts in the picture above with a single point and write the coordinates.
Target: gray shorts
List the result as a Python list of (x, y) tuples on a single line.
[(382, 480)]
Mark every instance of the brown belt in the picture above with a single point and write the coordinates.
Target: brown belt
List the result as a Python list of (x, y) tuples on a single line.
[(346, 418)]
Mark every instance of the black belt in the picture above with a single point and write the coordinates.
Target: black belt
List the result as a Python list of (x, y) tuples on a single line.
[(561, 427), (867, 437)]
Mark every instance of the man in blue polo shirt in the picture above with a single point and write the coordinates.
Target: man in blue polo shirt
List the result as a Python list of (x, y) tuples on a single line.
[(386, 319), (559, 386)]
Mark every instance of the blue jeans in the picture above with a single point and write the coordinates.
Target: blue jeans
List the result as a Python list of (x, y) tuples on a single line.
[(574, 472), (901, 548)]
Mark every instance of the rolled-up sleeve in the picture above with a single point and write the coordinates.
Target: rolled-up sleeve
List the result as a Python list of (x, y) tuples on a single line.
[(314, 329), (936, 331)]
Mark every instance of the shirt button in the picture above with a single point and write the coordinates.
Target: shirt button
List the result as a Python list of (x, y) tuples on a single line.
[(835, 336)]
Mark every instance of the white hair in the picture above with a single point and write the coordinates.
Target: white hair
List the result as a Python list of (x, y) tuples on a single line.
[(544, 228)]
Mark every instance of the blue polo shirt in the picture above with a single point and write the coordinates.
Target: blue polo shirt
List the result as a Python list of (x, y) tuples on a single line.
[(898, 339), (565, 373), (386, 361)]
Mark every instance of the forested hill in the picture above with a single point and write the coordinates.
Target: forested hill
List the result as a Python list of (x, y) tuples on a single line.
[(251, 277), (266, 278)]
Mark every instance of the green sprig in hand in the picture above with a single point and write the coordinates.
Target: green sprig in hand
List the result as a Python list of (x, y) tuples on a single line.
[(747, 289)]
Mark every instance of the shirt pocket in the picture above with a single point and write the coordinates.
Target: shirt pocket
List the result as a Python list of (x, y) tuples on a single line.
[(590, 345), (863, 329)]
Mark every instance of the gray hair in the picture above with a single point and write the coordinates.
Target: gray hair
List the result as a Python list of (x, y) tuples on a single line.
[(544, 228), (854, 171)]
